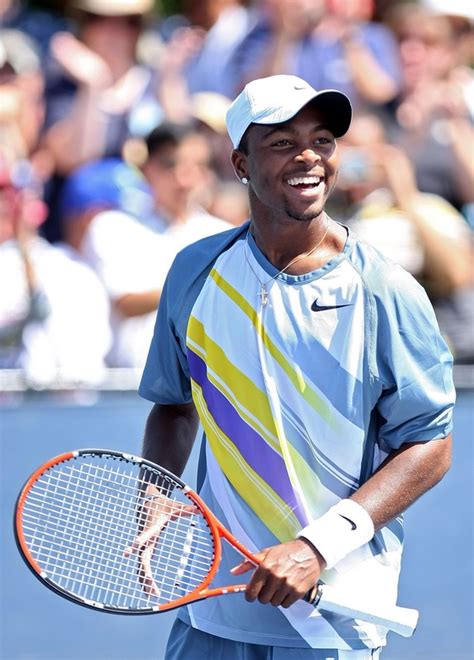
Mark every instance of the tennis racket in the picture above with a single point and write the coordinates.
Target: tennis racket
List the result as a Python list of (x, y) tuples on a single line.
[(77, 520)]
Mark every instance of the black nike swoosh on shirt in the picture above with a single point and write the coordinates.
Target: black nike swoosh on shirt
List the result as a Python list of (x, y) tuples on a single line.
[(352, 523), (321, 308)]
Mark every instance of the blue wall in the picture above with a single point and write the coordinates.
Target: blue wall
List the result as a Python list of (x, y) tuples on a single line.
[(38, 625)]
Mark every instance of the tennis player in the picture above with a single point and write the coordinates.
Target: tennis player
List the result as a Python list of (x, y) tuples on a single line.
[(316, 369)]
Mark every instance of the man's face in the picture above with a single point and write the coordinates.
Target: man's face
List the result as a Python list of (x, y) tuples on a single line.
[(292, 167), (179, 175)]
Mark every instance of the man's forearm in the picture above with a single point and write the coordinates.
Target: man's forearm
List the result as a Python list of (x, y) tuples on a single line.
[(138, 303), (169, 435), (405, 475), (408, 473)]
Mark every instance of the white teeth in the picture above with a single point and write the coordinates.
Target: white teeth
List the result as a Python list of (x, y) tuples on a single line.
[(304, 180)]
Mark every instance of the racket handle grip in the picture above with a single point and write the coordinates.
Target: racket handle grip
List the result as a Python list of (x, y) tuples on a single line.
[(401, 620)]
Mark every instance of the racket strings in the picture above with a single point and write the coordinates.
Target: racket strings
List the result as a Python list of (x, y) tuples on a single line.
[(81, 515)]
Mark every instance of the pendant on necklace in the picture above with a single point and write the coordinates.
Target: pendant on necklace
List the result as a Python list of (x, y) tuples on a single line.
[(263, 295)]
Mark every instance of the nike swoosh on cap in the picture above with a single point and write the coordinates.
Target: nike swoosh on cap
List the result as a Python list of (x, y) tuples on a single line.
[(321, 308)]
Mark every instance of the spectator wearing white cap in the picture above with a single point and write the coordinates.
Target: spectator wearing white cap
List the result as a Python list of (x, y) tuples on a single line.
[(100, 93), (323, 387)]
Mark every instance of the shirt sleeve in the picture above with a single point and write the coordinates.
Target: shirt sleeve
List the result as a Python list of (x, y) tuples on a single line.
[(165, 378), (414, 365)]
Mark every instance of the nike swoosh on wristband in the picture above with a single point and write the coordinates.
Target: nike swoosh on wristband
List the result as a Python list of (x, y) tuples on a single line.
[(321, 308), (352, 523)]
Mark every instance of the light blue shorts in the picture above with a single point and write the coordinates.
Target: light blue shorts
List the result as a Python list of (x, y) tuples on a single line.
[(187, 643)]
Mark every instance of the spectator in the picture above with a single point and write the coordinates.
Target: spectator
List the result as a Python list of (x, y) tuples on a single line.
[(208, 111), (97, 93), (229, 199), (22, 107), (194, 49), (54, 312), (42, 310), (178, 169), (223, 23), (16, 320), (99, 186), (420, 231), (432, 117), (325, 45), (132, 254)]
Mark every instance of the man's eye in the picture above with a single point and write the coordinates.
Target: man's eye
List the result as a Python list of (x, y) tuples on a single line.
[(281, 143)]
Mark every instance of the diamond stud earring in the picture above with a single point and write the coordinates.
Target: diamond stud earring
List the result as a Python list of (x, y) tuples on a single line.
[(244, 180)]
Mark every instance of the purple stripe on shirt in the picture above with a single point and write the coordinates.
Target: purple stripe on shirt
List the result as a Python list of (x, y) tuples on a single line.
[(256, 452)]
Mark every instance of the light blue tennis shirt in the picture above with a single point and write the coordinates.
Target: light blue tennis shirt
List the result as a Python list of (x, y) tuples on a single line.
[(300, 400)]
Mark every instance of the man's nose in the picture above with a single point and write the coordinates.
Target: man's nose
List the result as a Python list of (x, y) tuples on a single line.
[(308, 155)]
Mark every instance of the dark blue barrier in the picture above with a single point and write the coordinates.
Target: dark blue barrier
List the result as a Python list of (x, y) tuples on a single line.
[(36, 624)]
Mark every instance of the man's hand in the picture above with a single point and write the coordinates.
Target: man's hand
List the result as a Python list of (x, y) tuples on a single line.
[(156, 512), (285, 573)]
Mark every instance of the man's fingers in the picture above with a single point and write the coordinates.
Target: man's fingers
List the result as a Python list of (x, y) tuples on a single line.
[(256, 585), (155, 514), (160, 518), (272, 591), (289, 600), (282, 575), (145, 574), (244, 567), (143, 538), (247, 565)]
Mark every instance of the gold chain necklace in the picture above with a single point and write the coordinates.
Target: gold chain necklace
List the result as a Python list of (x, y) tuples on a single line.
[(263, 293)]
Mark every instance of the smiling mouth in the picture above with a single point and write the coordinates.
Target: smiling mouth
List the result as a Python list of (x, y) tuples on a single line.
[(304, 182)]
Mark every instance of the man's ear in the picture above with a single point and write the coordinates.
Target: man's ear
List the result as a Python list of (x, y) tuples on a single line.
[(239, 163)]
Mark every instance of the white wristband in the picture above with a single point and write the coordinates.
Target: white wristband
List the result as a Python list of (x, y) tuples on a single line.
[(340, 531)]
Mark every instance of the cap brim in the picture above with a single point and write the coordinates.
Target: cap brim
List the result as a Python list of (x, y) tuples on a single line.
[(335, 106)]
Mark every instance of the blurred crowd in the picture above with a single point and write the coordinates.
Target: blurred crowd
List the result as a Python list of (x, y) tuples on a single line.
[(114, 155)]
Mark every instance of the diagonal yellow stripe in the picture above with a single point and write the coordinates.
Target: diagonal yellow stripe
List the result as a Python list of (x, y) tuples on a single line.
[(294, 374), (250, 403), (245, 396), (263, 500)]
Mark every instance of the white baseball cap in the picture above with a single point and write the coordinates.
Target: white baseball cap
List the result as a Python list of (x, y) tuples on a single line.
[(278, 98), (114, 7), (461, 8)]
